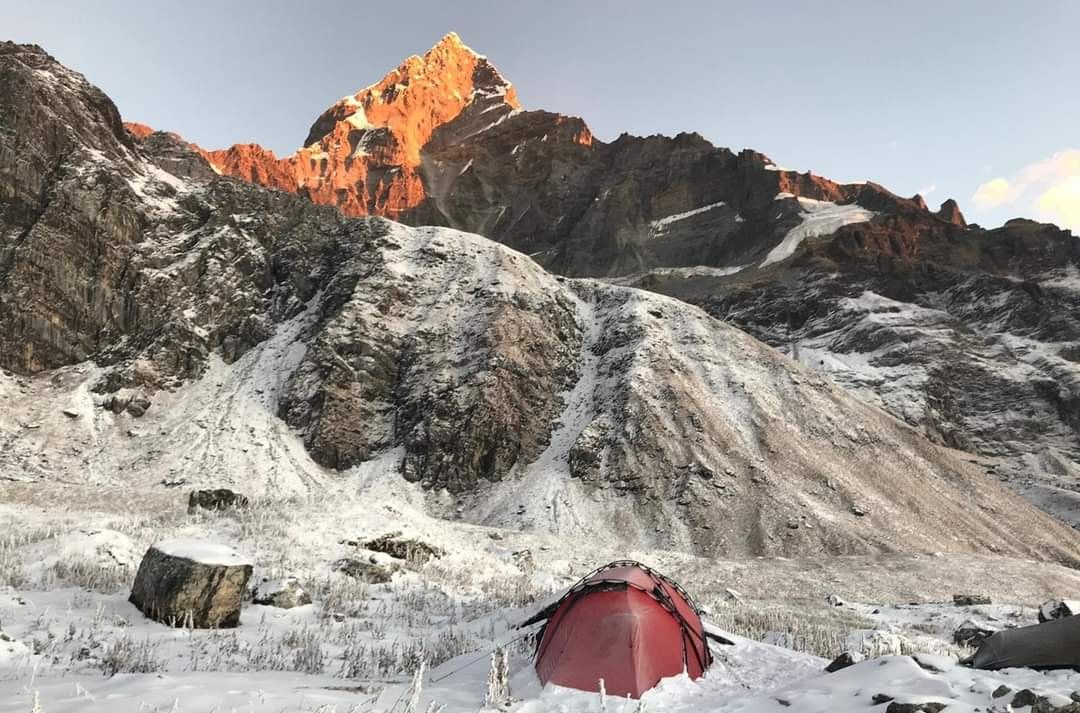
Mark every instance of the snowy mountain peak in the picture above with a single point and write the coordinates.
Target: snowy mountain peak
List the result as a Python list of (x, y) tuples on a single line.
[(363, 154), (423, 93)]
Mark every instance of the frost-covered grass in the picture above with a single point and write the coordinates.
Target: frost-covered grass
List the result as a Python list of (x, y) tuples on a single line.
[(67, 571), (358, 646), (84, 648), (69, 606), (818, 631)]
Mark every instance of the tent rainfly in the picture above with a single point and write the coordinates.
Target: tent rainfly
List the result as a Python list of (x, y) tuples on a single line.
[(624, 624), (1053, 644)]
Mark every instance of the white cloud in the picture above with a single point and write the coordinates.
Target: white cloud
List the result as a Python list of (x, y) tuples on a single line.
[(1062, 200), (1050, 189), (993, 193), (927, 191)]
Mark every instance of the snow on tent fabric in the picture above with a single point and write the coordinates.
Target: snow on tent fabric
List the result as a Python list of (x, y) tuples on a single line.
[(1050, 645), (624, 624)]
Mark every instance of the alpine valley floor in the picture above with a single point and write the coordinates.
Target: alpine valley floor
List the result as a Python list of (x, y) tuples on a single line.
[(71, 639)]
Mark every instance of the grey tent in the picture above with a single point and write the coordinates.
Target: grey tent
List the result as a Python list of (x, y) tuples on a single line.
[(1054, 644)]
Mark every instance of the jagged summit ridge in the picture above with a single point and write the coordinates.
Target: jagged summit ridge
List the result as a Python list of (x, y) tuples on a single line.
[(423, 93), (364, 153)]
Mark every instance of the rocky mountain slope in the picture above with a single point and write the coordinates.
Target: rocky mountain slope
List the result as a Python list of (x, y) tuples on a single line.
[(165, 326), (970, 335)]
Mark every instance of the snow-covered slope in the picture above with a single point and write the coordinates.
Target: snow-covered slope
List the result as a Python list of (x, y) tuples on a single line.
[(672, 429), (519, 399), (986, 364)]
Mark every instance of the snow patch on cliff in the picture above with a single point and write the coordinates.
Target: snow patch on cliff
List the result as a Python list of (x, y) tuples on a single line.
[(818, 218), (659, 225)]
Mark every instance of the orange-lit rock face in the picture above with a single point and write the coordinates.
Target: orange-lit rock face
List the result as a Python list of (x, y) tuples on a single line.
[(139, 131), (363, 153), (252, 162)]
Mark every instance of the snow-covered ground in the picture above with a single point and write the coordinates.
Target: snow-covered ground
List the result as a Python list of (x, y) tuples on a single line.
[(71, 638)]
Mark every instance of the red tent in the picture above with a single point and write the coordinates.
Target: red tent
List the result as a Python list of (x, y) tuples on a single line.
[(625, 624)]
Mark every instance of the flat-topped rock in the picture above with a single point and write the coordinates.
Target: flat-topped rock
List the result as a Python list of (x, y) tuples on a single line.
[(192, 583)]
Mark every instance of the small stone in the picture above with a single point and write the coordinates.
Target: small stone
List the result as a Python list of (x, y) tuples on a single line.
[(925, 707), (879, 698), (1025, 697), (834, 600), (971, 634), (1058, 609), (281, 593), (402, 548), (138, 406), (1044, 705), (848, 658), (1001, 691), (71, 413), (367, 571), (969, 600), (216, 499)]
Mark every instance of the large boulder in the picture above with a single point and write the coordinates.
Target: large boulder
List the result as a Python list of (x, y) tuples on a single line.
[(191, 583)]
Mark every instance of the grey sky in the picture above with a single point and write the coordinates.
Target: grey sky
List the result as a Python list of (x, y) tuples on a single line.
[(934, 96)]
